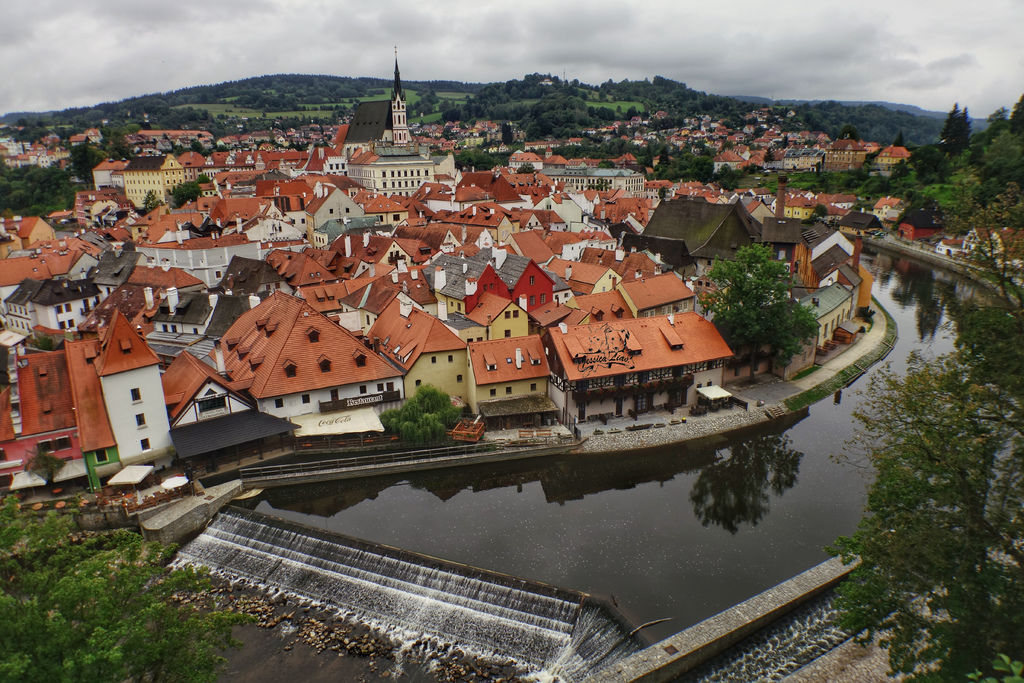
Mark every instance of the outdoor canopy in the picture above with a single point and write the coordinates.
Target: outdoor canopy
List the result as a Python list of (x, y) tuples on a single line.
[(26, 480), (338, 422), (133, 474), (72, 470), (713, 392)]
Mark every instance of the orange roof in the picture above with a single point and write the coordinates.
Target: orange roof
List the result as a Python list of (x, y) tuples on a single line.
[(298, 268), (603, 306), (185, 376), (659, 290), (90, 410), (583, 274), (6, 423), (284, 346), (404, 338), (46, 403), (160, 278), (507, 360), (489, 308), (623, 346), (327, 296), (530, 243), (123, 349), (36, 267)]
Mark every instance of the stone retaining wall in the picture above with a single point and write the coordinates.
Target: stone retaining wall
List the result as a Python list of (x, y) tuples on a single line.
[(188, 515)]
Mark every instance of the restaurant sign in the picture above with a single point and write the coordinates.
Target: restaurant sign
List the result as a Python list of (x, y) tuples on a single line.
[(606, 349)]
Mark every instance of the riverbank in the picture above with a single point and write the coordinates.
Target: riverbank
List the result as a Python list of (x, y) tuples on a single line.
[(768, 398)]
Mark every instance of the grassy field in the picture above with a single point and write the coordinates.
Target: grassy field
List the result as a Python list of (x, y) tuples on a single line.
[(235, 110)]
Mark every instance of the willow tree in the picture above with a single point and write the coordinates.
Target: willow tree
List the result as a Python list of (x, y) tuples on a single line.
[(752, 302), (423, 419)]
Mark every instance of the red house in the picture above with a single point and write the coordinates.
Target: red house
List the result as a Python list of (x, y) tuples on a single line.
[(919, 224), (522, 278)]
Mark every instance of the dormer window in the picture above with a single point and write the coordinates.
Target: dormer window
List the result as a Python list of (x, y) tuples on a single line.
[(360, 358), (290, 369), (314, 335), (324, 363)]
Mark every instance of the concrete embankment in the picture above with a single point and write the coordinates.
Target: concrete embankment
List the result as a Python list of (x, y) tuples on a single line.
[(185, 517), (677, 654)]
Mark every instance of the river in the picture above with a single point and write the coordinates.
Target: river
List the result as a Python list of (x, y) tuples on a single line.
[(680, 533)]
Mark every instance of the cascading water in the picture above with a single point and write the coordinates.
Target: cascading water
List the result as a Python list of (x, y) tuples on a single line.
[(778, 650), (544, 628)]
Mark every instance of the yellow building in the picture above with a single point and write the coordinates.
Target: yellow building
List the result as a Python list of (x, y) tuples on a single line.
[(423, 347), (156, 174), (500, 317), (510, 382)]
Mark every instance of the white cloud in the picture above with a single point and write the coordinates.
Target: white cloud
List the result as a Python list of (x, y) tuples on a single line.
[(60, 53)]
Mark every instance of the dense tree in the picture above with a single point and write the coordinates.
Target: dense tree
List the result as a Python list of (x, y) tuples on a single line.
[(526, 168), (849, 132), (1017, 117), (186, 192), (84, 158), (78, 606), (151, 201), (752, 301), (898, 140), (424, 418), (956, 132), (941, 574)]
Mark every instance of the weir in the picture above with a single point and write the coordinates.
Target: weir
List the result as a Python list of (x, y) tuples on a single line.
[(547, 629)]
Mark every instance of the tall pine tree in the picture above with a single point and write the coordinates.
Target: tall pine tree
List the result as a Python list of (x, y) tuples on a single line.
[(956, 132)]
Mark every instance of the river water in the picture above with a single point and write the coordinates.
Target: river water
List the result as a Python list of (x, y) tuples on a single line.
[(679, 533)]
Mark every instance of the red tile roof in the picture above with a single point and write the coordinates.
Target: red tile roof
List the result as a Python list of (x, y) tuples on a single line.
[(90, 410), (278, 333), (623, 346), (184, 377), (46, 403), (658, 290), (497, 360), (403, 339), (123, 349)]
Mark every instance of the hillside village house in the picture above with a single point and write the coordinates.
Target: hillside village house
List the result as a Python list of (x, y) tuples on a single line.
[(632, 365)]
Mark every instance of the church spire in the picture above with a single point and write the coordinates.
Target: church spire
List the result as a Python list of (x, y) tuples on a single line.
[(396, 90)]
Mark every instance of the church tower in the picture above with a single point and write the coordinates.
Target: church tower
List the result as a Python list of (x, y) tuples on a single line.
[(399, 123)]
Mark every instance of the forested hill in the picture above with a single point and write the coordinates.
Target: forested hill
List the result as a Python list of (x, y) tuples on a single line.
[(542, 105)]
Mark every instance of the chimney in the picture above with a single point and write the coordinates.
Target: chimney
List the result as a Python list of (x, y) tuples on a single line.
[(218, 353), (213, 301), (519, 358), (563, 328), (348, 245), (403, 267), (404, 309), (172, 298), (442, 311), (470, 286), (858, 244), (254, 301), (413, 274), (464, 233), (499, 258), (366, 239), (373, 270), (148, 291), (179, 235), (620, 254), (780, 198), (394, 276), (672, 319), (465, 267), (440, 278), (568, 273), (638, 275)]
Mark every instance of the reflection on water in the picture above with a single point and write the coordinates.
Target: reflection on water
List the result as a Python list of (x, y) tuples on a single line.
[(683, 531), (734, 489)]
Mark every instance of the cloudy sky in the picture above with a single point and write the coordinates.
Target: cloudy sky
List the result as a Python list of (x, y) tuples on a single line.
[(61, 53)]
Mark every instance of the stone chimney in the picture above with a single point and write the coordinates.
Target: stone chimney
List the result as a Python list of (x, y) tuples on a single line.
[(519, 358), (172, 299), (620, 254), (440, 278), (470, 286), (366, 239), (394, 276), (780, 198), (442, 311), (213, 301), (218, 353), (148, 292), (638, 275), (254, 301), (522, 301), (568, 273), (499, 258), (563, 328), (348, 246), (404, 309)]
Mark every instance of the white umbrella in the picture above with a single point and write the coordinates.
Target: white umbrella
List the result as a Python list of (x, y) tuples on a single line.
[(174, 482)]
